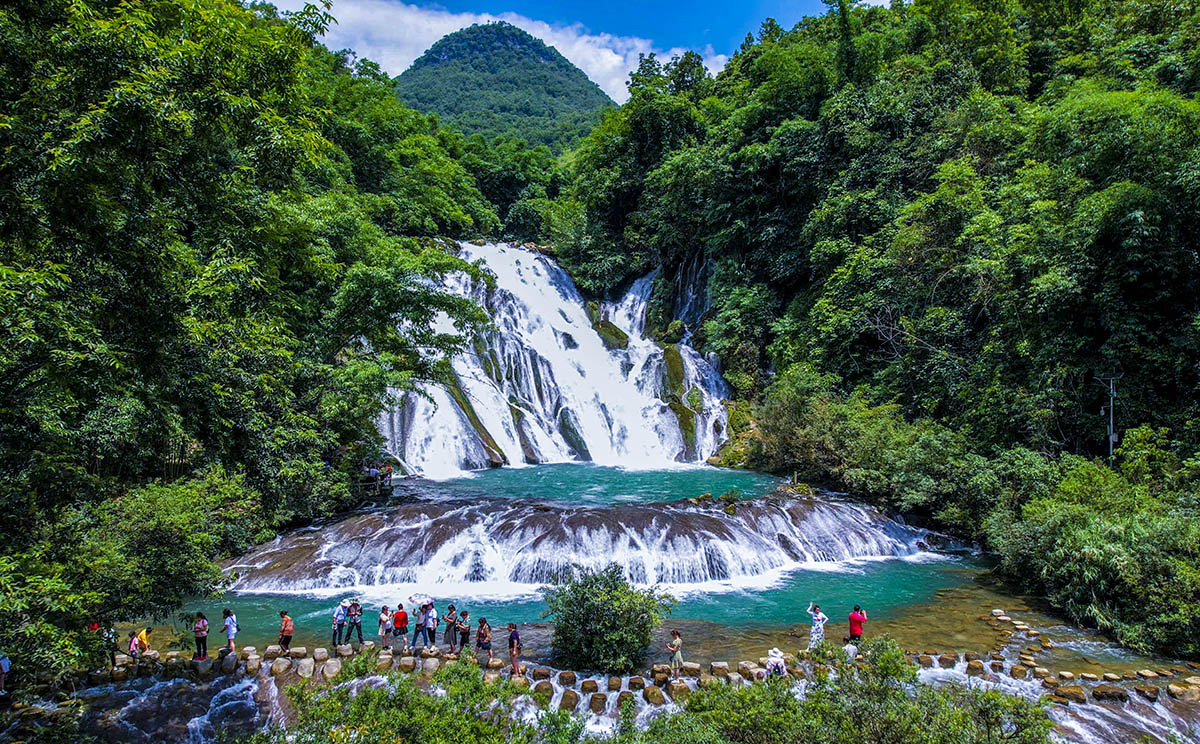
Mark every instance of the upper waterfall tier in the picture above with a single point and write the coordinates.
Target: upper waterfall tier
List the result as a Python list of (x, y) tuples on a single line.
[(557, 381), (497, 546)]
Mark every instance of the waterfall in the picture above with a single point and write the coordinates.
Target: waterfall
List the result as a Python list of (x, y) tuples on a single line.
[(508, 547), (557, 381)]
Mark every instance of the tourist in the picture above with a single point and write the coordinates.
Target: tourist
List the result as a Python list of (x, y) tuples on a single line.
[(400, 626), (5, 666), (385, 628), (354, 620), (419, 632), (817, 634), (200, 634), (339, 622), (857, 618), (514, 649), (464, 631), (431, 625), (286, 629), (483, 637), (776, 667), (850, 649), (143, 640), (675, 648), (109, 635), (231, 628), (450, 637), (133, 644)]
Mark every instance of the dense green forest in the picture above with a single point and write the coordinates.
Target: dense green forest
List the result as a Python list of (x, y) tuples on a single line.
[(219, 250), (927, 230), (496, 80)]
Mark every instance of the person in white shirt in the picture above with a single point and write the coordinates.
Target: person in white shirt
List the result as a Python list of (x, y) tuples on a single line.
[(850, 649), (817, 634), (431, 626)]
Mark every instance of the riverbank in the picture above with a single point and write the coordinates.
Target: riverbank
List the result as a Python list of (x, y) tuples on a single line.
[(241, 692)]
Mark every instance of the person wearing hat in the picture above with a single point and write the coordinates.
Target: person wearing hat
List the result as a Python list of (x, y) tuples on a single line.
[(339, 622), (385, 628), (675, 648), (775, 664), (354, 620)]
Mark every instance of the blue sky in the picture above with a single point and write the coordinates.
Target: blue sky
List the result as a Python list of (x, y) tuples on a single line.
[(603, 39)]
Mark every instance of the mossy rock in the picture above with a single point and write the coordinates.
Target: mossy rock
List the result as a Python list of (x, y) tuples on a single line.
[(496, 455), (673, 361), (673, 333), (611, 336), (687, 427), (592, 308), (568, 426)]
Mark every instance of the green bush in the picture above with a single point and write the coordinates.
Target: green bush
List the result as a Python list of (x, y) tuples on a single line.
[(601, 621)]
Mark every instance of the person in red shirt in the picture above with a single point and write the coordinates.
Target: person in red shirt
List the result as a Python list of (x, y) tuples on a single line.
[(286, 628), (400, 625), (857, 618)]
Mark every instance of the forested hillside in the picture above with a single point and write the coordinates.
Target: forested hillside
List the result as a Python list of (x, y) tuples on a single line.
[(217, 254), (927, 230), (497, 80)]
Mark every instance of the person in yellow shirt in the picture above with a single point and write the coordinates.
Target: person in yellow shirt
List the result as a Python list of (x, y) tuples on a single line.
[(143, 640)]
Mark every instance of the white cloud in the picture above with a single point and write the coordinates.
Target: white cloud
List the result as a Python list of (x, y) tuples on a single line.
[(395, 33)]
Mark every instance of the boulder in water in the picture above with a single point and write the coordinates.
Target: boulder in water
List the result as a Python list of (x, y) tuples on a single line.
[(614, 684), (1018, 672), (298, 652), (543, 690), (566, 679), (690, 669), (569, 700), (1149, 692), (1111, 692), (679, 691), (598, 703), (622, 697), (719, 668), (1074, 693), (589, 686), (520, 682), (280, 666), (407, 663), (229, 664), (383, 663), (947, 660), (975, 668), (637, 683), (273, 652), (320, 654), (305, 668), (1182, 693), (540, 673), (430, 665), (253, 665), (654, 695), (345, 651), (331, 669)]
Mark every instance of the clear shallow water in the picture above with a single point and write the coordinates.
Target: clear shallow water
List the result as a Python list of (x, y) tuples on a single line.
[(586, 484)]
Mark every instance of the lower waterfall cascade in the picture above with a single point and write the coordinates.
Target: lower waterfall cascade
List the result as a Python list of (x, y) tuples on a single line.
[(558, 380)]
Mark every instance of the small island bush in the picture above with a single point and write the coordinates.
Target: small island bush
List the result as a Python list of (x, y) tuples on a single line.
[(601, 621)]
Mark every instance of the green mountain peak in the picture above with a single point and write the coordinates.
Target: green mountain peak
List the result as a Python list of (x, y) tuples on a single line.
[(495, 79)]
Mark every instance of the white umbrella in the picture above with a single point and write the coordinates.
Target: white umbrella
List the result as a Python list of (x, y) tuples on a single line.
[(420, 599)]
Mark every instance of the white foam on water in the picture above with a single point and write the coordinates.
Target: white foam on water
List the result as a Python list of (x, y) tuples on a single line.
[(545, 389)]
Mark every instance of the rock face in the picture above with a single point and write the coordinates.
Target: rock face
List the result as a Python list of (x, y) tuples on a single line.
[(598, 703), (569, 700), (654, 695)]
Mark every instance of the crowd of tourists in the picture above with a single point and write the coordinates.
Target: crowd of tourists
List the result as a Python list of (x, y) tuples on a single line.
[(456, 630)]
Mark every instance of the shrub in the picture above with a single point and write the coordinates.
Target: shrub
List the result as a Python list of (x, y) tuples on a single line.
[(601, 621)]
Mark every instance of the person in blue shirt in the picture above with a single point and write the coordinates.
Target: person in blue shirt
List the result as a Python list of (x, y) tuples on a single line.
[(339, 622)]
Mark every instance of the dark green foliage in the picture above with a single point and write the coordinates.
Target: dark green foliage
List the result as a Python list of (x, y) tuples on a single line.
[(880, 702), (497, 80), (927, 229), (601, 621), (216, 258)]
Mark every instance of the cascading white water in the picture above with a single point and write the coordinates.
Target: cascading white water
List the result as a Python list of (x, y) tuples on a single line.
[(543, 386), (503, 547)]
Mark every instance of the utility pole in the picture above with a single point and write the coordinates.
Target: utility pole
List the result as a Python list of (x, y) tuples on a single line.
[(1111, 382)]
